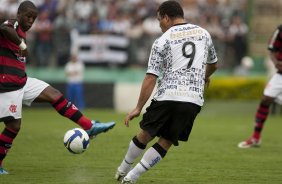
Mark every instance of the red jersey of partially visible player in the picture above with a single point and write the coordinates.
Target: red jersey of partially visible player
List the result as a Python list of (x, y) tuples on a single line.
[(12, 65), (275, 44)]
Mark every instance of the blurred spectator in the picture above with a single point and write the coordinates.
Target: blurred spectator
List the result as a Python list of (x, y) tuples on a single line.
[(152, 30), (101, 8), (112, 10), (237, 35), (43, 28), (49, 6), (191, 10), (218, 35), (225, 10), (74, 70), (62, 38), (94, 26), (136, 50), (122, 24), (83, 9), (141, 9), (9, 8)]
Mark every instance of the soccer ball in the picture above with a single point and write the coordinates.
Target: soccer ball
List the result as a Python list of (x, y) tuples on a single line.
[(76, 140)]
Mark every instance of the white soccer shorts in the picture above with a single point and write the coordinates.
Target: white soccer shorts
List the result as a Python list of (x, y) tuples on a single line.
[(11, 102), (274, 88)]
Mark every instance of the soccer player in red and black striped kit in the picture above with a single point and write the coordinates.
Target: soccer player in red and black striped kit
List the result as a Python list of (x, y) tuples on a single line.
[(16, 88), (272, 91)]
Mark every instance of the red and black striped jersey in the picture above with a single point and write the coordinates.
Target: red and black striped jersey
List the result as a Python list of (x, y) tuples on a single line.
[(12, 65), (275, 43)]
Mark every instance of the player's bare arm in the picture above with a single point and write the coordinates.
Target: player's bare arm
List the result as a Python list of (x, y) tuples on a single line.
[(12, 35), (147, 88), (210, 69)]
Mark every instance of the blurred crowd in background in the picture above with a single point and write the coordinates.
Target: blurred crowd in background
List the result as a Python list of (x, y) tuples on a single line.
[(50, 38)]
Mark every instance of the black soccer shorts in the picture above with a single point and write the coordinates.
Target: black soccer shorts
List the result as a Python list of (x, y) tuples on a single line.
[(171, 120)]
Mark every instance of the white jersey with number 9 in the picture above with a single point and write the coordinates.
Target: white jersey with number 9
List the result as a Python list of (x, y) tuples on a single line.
[(179, 58)]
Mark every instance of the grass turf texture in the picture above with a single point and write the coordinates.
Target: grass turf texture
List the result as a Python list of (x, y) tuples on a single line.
[(210, 156)]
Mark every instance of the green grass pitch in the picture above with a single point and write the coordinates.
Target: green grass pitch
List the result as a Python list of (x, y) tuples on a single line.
[(210, 156)]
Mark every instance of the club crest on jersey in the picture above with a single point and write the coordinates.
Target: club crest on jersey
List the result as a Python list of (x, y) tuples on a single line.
[(22, 59)]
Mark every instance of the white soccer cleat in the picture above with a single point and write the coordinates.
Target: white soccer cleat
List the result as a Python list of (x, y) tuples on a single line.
[(120, 175), (127, 180), (252, 142)]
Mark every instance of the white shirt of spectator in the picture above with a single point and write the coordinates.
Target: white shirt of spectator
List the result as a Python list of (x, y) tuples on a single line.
[(75, 72), (179, 59)]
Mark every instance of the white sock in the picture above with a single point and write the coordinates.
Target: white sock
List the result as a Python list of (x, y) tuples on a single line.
[(132, 153), (150, 158)]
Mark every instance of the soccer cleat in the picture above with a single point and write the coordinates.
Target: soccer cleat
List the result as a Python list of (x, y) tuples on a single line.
[(252, 142), (120, 175), (127, 180), (98, 127), (2, 171)]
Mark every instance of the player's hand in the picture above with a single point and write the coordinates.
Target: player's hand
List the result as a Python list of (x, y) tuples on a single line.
[(23, 53), (133, 114), (278, 65)]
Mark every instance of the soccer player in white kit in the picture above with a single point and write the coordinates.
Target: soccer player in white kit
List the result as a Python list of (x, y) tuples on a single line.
[(181, 62), (272, 91)]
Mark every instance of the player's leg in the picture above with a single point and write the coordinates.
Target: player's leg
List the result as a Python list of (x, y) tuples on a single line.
[(135, 148), (12, 127), (69, 110), (271, 92), (260, 118), (10, 114), (150, 158), (173, 121), (63, 106), (39, 91)]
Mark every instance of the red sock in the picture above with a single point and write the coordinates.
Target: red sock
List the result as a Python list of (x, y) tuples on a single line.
[(6, 140), (69, 110)]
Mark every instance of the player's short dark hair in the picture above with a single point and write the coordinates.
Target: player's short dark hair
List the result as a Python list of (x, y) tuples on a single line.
[(171, 8), (25, 5)]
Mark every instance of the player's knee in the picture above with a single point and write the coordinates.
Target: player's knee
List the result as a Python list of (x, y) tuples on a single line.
[(164, 143), (53, 91), (14, 125), (51, 94), (267, 101), (144, 137)]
